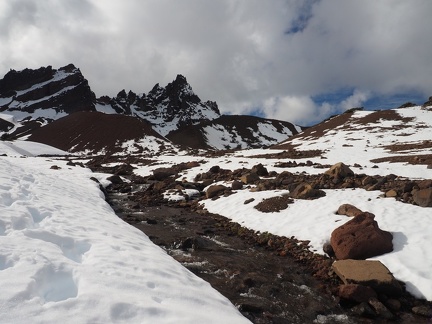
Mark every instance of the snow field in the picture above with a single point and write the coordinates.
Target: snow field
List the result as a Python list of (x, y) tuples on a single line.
[(66, 257)]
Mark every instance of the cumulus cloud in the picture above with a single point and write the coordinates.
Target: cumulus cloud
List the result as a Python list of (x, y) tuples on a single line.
[(248, 55)]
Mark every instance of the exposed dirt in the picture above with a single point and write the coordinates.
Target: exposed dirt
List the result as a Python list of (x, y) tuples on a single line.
[(425, 159)]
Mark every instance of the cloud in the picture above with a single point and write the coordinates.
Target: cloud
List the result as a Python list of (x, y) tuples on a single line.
[(273, 56)]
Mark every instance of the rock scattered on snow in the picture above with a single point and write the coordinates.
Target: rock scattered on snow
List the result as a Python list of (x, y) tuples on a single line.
[(360, 238), (339, 171), (348, 210)]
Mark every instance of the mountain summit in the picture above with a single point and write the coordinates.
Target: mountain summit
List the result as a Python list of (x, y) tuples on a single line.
[(45, 91), (167, 109)]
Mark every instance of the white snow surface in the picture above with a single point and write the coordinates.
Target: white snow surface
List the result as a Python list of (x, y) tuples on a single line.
[(65, 257)]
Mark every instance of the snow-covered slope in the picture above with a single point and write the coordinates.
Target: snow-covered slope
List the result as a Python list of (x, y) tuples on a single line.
[(234, 132), (373, 139), (65, 257)]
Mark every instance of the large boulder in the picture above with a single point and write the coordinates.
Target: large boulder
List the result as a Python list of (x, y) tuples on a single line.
[(371, 273), (423, 197), (339, 171), (360, 238)]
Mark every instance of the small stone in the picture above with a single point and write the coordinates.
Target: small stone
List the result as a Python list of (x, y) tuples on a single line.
[(236, 185), (422, 311), (393, 304), (248, 201), (380, 309), (327, 248), (249, 178), (348, 210), (391, 193), (364, 310)]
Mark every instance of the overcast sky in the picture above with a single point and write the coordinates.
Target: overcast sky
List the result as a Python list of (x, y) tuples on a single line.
[(295, 60)]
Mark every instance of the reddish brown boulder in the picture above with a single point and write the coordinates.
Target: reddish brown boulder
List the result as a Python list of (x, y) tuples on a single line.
[(348, 210), (360, 238)]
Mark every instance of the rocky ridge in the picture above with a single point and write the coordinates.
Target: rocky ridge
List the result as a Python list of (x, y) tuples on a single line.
[(30, 99)]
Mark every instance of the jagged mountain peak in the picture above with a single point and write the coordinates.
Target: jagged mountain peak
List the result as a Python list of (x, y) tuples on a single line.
[(166, 108), (34, 97), (181, 88)]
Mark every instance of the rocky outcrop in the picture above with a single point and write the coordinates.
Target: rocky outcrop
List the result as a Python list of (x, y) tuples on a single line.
[(428, 104), (168, 108), (64, 90), (360, 238)]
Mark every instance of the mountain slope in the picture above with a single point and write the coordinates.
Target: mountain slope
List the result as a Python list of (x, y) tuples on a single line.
[(96, 132), (234, 132), (395, 135)]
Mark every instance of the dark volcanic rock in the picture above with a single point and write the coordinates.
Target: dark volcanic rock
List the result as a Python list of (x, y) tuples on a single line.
[(174, 106), (64, 90), (357, 293)]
